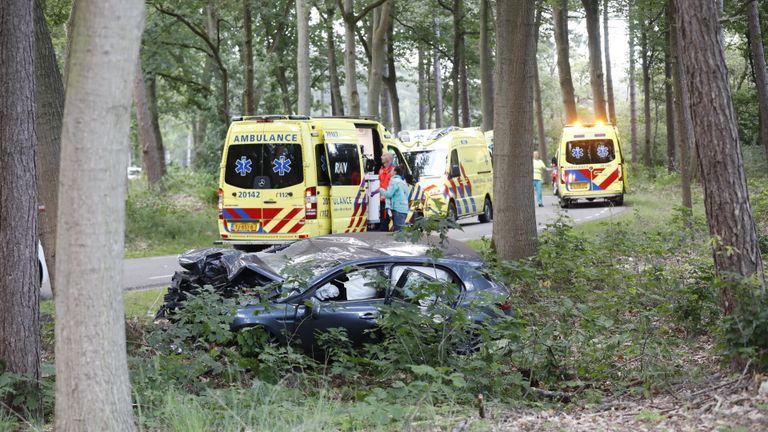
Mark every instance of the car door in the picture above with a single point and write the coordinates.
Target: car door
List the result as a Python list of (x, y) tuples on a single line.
[(348, 200), (349, 300)]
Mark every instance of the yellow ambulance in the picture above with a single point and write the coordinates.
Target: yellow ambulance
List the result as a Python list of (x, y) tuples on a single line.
[(453, 172), (590, 164), (285, 178)]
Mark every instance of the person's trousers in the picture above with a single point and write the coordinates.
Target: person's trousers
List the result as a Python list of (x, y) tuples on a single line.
[(537, 188), (384, 218), (399, 219)]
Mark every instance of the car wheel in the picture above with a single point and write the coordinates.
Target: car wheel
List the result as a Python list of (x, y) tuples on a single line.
[(487, 214), (452, 215), (618, 201)]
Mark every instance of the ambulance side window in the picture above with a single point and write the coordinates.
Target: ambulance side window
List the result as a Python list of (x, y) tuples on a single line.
[(455, 170), (344, 163), (321, 165)]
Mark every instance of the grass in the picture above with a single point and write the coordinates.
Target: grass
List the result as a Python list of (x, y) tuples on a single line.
[(138, 304)]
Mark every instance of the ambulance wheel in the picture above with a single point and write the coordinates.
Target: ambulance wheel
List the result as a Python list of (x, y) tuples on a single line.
[(487, 214), (251, 248), (565, 203), (618, 201), (452, 213)]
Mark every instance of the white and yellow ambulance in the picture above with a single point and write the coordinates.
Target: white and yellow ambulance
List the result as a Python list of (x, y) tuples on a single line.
[(453, 172), (590, 164), (285, 178)]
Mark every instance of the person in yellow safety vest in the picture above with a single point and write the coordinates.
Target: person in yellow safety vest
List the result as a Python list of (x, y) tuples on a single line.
[(385, 174), (539, 170)]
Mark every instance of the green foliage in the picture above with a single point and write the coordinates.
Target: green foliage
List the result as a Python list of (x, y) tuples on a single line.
[(743, 335), (178, 215)]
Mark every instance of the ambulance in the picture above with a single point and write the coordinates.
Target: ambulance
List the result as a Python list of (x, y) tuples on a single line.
[(284, 178), (590, 164), (453, 172)]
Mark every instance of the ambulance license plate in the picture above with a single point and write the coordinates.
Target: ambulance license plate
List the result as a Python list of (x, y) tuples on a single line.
[(245, 227), (579, 186)]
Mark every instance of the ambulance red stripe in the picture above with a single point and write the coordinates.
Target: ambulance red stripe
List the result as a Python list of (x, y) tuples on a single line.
[(611, 178), (285, 221)]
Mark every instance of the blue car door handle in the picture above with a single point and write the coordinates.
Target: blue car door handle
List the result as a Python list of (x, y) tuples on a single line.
[(369, 315)]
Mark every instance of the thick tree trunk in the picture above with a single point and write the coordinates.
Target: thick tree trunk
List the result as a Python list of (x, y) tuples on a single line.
[(758, 62), (646, 66), (460, 65), (337, 105), (537, 90), (285, 94), (486, 66), (378, 56), (608, 67), (150, 140), (92, 387), (391, 81), (595, 58), (438, 78), (560, 15), (632, 92), (302, 58), (248, 105), (669, 100), (49, 111), (19, 275), (212, 30), (422, 88), (726, 198), (350, 59), (682, 110), (514, 228)]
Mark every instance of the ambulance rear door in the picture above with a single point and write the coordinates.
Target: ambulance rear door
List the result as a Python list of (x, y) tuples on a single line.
[(348, 199)]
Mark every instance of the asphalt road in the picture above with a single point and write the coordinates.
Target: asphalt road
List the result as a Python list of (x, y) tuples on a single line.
[(157, 271)]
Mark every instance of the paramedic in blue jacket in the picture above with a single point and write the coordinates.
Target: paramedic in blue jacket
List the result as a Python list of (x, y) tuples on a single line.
[(397, 198)]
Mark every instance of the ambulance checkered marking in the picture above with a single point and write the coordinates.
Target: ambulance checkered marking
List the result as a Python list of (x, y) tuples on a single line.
[(468, 187), (271, 220), (360, 206), (599, 178)]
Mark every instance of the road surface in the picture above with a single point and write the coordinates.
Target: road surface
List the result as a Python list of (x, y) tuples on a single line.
[(157, 271)]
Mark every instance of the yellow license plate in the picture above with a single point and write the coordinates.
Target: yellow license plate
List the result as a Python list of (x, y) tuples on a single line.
[(579, 186), (245, 227)]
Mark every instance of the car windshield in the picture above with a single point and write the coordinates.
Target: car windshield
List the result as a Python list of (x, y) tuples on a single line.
[(426, 163)]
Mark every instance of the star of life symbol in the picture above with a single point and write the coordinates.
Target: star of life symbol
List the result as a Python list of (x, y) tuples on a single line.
[(577, 152), (602, 151), (243, 166), (281, 166)]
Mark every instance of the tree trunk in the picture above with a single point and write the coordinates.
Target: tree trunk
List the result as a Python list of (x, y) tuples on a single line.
[(438, 78), (391, 81), (378, 56), (302, 58), (560, 15), (486, 67), (282, 81), (646, 66), (212, 30), (608, 67), (49, 111), (19, 275), (461, 62), (92, 387), (337, 105), (726, 198), (591, 8), (248, 105), (537, 90), (422, 88), (632, 91), (150, 140), (514, 229), (758, 61), (669, 100), (350, 59), (682, 110)]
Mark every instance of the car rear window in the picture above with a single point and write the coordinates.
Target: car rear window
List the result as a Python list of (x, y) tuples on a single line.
[(264, 166), (589, 151)]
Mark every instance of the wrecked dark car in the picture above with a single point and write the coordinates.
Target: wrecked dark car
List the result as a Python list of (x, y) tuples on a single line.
[(354, 276)]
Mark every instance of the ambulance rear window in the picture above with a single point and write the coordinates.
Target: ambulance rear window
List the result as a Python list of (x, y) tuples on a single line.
[(589, 151), (264, 166), (345, 164)]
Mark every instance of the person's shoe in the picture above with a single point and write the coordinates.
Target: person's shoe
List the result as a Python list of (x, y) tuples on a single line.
[(541, 205)]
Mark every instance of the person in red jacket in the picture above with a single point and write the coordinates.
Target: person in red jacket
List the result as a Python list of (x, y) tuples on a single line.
[(385, 175)]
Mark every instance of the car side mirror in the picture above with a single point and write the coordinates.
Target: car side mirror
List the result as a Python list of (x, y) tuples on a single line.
[(315, 310)]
